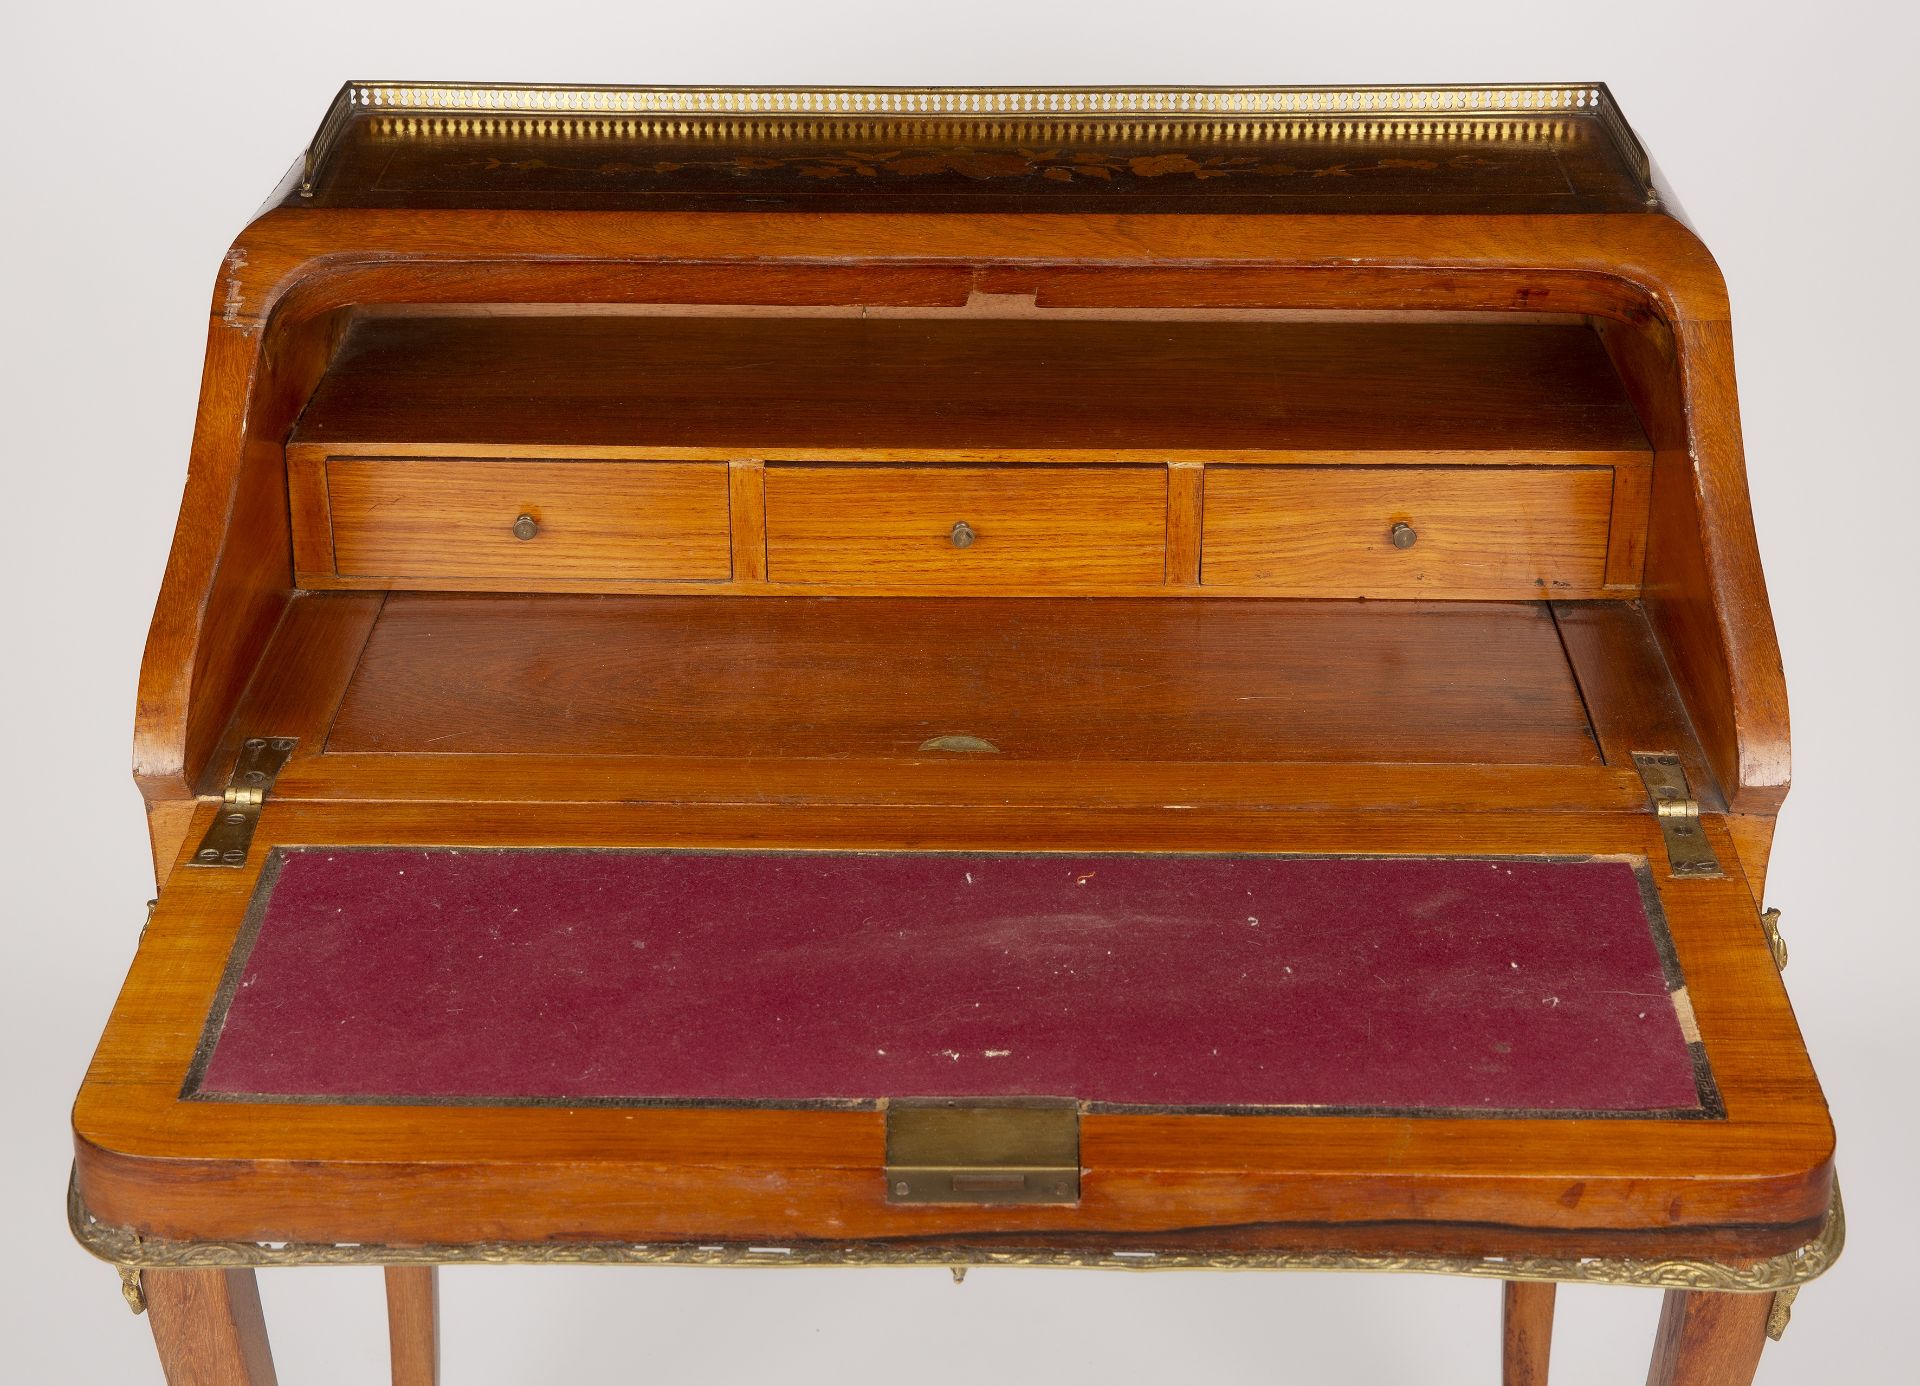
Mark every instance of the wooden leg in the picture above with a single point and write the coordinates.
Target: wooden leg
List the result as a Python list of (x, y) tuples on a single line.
[(1709, 1339), (1526, 1333), (413, 1324), (208, 1327)]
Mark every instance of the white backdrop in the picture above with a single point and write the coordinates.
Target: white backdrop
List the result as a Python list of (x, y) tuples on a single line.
[(138, 141)]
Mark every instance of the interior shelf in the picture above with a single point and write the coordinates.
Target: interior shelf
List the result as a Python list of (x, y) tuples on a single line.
[(926, 389), (1166, 680), (1168, 700)]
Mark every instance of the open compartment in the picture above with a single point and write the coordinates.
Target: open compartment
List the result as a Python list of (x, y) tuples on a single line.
[(1025, 455), (701, 551)]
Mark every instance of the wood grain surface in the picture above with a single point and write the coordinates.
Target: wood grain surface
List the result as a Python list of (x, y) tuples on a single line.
[(824, 389), (1490, 533), (1613, 655), (1708, 1339), (430, 517), (413, 1324), (1070, 529), (1705, 593), (208, 1327), (1526, 1332), (1065, 679)]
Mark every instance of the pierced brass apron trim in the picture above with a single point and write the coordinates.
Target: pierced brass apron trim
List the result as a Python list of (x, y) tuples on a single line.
[(128, 1249)]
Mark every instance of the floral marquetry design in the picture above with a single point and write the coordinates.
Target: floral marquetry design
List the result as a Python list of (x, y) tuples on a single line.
[(983, 165)]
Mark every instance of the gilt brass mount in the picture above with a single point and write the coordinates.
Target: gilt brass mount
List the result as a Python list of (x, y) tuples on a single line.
[(126, 1248), (1508, 111), (1776, 943), (1004, 1150)]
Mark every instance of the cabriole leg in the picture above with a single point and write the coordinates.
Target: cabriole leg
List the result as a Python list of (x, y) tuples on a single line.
[(413, 1324), (1709, 1339), (1526, 1331), (208, 1327)]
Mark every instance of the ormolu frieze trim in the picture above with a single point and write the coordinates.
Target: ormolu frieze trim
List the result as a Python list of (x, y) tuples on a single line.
[(1359, 111), (1584, 98), (913, 129), (128, 1250)]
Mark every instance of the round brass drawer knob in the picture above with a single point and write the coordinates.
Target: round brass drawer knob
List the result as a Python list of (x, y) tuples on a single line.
[(525, 527), (962, 535), (1404, 535)]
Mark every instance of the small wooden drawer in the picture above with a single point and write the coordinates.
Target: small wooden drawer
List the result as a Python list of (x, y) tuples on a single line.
[(528, 522), (1045, 528), (1485, 532)]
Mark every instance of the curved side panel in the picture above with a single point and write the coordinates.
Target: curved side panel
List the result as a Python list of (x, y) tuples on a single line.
[(230, 570), (212, 617), (1704, 590), (1747, 735)]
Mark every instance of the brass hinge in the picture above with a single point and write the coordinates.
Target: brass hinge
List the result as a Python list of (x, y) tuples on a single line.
[(254, 771), (1688, 851), (990, 1150)]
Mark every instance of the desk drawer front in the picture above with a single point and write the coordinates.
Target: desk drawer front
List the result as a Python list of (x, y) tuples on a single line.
[(1406, 531), (1046, 528), (407, 518)]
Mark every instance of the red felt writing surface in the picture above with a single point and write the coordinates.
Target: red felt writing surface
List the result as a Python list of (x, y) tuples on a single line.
[(1188, 981)]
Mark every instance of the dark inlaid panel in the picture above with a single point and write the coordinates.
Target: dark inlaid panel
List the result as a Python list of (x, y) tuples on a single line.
[(1517, 161)]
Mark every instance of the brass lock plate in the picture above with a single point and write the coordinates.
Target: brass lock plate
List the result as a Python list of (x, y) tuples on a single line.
[(992, 1150)]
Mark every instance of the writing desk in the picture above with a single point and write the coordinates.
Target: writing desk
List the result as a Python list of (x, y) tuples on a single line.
[(1135, 678)]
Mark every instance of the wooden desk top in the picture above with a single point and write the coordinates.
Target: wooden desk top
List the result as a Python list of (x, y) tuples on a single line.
[(1750, 1184)]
